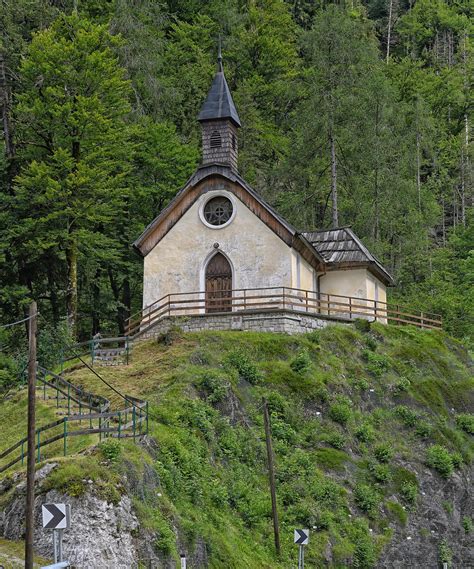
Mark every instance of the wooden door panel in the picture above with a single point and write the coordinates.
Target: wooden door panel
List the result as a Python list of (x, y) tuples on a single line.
[(218, 284)]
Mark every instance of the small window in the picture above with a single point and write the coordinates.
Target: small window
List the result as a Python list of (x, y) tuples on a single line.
[(234, 142), (216, 141), (218, 210)]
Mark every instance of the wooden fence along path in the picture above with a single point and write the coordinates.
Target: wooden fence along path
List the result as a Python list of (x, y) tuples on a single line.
[(328, 306), (85, 414)]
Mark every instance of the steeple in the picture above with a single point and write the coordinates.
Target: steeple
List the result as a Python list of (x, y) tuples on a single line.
[(219, 122)]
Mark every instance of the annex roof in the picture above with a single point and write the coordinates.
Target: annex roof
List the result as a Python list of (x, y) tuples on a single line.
[(340, 247)]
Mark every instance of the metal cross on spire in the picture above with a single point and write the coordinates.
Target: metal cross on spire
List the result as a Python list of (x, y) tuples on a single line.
[(219, 55)]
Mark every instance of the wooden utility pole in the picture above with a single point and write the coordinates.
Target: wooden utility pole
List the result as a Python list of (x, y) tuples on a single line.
[(271, 475), (30, 469)]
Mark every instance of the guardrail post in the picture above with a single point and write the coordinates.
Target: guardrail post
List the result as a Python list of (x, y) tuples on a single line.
[(307, 308), (90, 412), (68, 398), (329, 304), (375, 310), (120, 424), (350, 307), (421, 320), (100, 427), (65, 436)]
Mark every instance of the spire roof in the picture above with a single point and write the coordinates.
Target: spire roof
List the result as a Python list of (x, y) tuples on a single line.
[(219, 103)]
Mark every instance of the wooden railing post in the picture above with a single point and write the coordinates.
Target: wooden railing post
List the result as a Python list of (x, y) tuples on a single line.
[(120, 424), (375, 310), (307, 308), (421, 320), (284, 300), (329, 304), (350, 307), (245, 299)]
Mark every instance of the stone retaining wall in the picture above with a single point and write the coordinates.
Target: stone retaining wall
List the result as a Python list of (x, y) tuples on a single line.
[(284, 321)]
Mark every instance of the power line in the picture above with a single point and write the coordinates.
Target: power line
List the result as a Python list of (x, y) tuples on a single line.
[(19, 321)]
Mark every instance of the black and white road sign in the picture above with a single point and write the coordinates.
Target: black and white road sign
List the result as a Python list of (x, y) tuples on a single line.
[(302, 536), (55, 516)]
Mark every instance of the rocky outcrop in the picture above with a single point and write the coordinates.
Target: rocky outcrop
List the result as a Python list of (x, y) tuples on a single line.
[(102, 534), (442, 505)]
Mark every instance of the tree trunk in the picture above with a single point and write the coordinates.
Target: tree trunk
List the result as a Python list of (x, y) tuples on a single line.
[(5, 106), (389, 28), (96, 303), (335, 212), (418, 168), (71, 292)]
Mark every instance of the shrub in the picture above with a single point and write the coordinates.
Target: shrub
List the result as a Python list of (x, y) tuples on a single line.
[(377, 364), (423, 429), (407, 416), (362, 325), (365, 433), (111, 449), (409, 493), (380, 472), (402, 385), (445, 553), (367, 498), (439, 458), (465, 422), (467, 524), (336, 440), (340, 412), (301, 362), (215, 386), (383, 452), (245, 366), (281, 430)]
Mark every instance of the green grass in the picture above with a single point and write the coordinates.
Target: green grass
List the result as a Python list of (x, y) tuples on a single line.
[(209, 460), (12, 555)]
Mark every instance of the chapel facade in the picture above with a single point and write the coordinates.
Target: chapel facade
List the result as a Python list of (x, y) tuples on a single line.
[(218, 241)]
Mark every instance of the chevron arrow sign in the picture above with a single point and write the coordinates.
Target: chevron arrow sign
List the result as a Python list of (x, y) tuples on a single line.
[(55, 516), (302, 536)]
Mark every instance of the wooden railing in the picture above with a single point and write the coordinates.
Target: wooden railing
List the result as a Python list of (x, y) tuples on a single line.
[(332, 306)]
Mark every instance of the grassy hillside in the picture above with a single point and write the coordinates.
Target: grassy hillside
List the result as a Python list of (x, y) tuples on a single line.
[(365, 424)]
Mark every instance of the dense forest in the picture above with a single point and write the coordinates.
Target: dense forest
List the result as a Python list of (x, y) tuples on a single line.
[(354, 113)]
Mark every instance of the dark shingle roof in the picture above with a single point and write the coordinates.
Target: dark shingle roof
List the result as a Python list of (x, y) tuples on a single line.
[(341, 246), (219, 103)]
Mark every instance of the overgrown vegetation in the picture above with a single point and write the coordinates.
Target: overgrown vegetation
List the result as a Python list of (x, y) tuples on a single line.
[(348, 457)]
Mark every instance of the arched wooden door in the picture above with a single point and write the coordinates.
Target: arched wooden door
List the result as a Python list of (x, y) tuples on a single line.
[(218, 284)]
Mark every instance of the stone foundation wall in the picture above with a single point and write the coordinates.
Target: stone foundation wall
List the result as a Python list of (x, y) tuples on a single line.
[(286, 322)]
